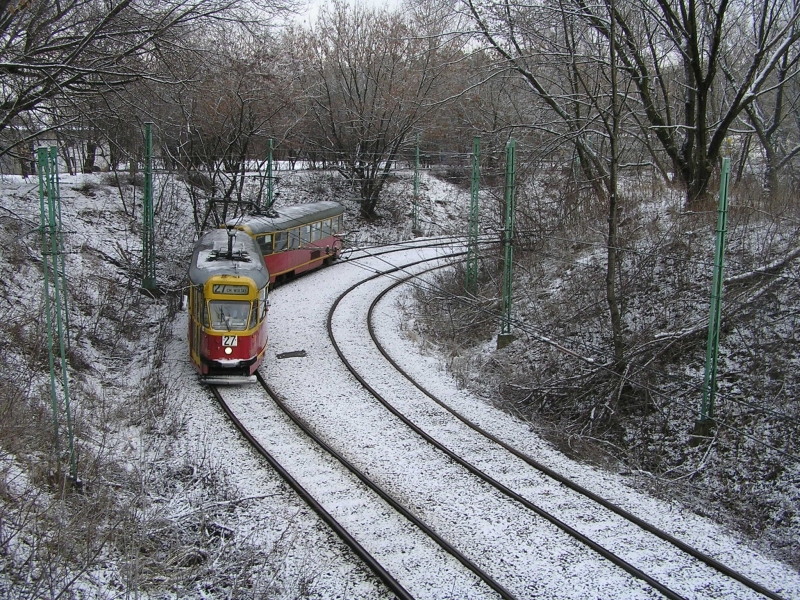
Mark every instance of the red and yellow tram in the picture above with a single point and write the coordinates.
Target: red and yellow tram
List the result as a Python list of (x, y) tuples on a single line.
[(298, 238), (228, 307)]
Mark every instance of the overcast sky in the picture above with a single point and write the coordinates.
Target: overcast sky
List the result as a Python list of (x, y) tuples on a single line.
[(314, 6)]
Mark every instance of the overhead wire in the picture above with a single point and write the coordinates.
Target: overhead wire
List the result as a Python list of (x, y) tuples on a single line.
[(697, 387), (692, 387), (595, 363), (591, 361)]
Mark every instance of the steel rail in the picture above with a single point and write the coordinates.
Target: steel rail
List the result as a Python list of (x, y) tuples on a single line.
[(608, 555), (444, 544), (403, 245), (394, 586), (663, 535)]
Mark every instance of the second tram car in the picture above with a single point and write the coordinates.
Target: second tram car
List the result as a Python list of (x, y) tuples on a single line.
[(298, 238), (228, 306)]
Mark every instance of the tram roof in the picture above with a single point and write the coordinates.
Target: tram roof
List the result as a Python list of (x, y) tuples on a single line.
[(290, 216), (209, 258)]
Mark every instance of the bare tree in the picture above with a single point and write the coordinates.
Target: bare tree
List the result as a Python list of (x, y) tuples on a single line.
[(696, 67), (574, 74), (773, 119), (53, 52), (240, 91), (371, 76)]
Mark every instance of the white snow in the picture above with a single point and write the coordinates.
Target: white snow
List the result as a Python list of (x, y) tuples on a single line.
[(529, 556)]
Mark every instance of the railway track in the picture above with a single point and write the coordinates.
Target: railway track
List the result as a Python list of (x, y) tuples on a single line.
[(706, 563), (361, 252), (557, 477), (361, 489), (360, 551), (467, 563)]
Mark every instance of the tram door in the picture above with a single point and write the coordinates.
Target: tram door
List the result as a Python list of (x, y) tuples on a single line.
[(196, 306)]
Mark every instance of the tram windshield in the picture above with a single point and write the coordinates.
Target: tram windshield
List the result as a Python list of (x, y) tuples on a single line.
[(229, 315)]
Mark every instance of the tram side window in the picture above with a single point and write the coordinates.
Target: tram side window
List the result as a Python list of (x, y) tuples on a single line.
[(265, 243), (316, 232), (200, 307), (280, 241), (305, 235), (326, 228), (196, 304), (337, 227), (254, 315), (294, 238), (262, 304)]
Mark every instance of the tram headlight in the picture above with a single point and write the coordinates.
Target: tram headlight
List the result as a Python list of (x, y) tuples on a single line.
[(228, 350)]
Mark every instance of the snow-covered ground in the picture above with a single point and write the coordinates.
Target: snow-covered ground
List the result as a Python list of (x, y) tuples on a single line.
[(528, 556), (190, 480)]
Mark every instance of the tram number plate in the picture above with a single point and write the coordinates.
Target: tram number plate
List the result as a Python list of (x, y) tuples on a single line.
[(230, 340)]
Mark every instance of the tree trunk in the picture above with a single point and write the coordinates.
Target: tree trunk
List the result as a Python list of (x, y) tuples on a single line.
[(611, 277), (91, 153), (770, 170), (697, 184), (613, 209)]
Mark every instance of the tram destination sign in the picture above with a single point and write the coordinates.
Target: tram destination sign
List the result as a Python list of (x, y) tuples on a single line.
[(224, 288)]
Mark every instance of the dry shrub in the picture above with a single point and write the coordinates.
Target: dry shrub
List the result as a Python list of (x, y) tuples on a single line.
[(458, 175), (641, 414)]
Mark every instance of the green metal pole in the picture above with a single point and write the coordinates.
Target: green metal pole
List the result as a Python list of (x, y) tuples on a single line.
[(415, 222), (508, 247), (63, 270), (715, 318), (56, 244), (43, 159), (472, 239), (270, 187), (148, 227), (54, 271)]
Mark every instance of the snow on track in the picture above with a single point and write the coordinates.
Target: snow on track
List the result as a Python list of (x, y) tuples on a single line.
[(526, 554), (393, 541), (657, 558)]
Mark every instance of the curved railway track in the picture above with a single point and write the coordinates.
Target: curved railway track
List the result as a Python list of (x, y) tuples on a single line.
[(326, 516), (386, 497), (620, 562), (361, 252), (555, 476), (391, 583), (400, 274), (574, 487)]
